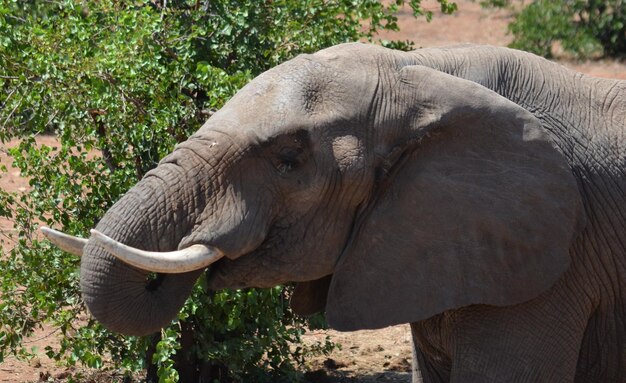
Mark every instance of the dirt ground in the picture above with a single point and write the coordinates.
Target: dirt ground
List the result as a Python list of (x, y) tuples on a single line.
[(365, 356)]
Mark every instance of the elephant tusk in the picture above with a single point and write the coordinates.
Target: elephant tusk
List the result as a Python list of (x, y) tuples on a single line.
[(65, 242), (181, 261)]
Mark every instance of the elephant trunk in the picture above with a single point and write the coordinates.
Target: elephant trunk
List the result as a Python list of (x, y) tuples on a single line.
[(154, 215)]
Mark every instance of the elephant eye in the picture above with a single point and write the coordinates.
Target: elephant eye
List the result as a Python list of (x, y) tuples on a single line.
[(288, 159), (288, 152), (285, 166)]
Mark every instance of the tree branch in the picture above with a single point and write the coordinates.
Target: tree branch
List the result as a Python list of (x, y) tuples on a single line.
[(101, 130)]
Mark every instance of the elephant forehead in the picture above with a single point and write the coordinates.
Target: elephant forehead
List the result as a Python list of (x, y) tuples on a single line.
[(298, 99), (261, 109), (307, 86)]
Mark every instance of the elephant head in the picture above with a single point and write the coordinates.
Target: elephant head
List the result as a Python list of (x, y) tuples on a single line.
[(387, 190)]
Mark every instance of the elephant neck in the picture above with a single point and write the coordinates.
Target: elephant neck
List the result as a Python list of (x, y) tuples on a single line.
[(573, 107)]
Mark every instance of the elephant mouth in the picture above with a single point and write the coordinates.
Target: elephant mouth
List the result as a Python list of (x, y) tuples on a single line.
[(232, 274), (215, 275), (154, 281)]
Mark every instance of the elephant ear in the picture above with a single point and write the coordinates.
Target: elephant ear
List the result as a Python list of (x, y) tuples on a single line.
[(481, 210)]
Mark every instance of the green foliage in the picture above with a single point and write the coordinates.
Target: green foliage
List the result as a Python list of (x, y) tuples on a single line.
[(119, 83), (584, 28)]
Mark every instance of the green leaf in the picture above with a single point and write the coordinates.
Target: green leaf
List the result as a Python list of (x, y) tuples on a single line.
[(119, 83)]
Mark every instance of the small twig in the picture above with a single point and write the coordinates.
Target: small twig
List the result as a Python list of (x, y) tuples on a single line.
[(9, 97), (43, 337), (163, 9), (54, 115), (101, 130), (16, 18), (13, 111), (108, 78)]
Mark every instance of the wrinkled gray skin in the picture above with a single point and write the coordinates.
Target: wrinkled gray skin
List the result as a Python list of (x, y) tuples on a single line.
[(395, 193)]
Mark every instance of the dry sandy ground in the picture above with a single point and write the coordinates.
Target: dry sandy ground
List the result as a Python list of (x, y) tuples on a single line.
[(365, 356)]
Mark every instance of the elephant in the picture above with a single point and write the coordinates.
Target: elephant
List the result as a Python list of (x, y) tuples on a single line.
[(477, 193)]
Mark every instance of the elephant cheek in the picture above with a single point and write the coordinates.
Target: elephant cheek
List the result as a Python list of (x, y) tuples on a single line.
[(243, 272), (218, 280)]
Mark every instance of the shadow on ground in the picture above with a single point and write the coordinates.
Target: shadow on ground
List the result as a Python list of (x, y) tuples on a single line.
[(338, 376)]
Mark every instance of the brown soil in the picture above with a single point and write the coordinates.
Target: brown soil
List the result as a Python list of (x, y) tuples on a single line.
[(365, 356)]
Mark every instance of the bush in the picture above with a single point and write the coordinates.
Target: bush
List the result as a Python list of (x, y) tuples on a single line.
[(120, 83), (584, 28)]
